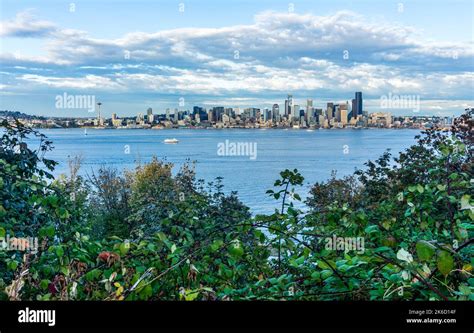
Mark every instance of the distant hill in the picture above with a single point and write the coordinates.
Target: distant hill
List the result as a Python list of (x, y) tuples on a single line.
[(17, 114)]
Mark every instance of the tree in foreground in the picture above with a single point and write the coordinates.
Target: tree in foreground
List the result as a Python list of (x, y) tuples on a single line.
[(398, 229)]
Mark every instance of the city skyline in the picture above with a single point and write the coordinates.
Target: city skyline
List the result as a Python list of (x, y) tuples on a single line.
[(292, 115), (170, 54)]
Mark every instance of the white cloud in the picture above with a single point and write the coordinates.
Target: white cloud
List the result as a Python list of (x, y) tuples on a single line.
[(26, 25), (278, 53)]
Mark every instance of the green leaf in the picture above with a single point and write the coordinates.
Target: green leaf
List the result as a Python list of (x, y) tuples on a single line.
[(46, 231), (322, 264), (371, 229), (325, 274), (13, 265), (465, 202), (191, 295), (445, 262), (2, 232), (59, 251), (50, 231), (467, 226), (124, 248), (235, 249), (161, 236), (420, 188), (404, 255), (44, 284), (316, 276), (424, 250), (146, 292), (465, 289), (441, 187), (216, 245)]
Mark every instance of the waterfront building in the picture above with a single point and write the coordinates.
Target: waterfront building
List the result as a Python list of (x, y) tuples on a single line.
[(380, 119)]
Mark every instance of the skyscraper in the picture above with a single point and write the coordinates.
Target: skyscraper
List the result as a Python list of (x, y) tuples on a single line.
[(343, 112), (217, 113), (289, 106), (358, 103), (329, 111), (276, 111), (353, 112), (295, 112), (149, 115), (309, 109)]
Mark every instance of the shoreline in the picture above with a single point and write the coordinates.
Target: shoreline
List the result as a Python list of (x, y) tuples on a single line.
[(239, 128)]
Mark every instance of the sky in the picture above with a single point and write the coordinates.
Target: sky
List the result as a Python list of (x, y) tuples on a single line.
[(132, 55)]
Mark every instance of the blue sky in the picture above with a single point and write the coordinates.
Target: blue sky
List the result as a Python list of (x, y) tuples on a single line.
[(133, 55)]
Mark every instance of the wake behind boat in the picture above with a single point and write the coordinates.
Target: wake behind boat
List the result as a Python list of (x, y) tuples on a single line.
[(174, 140)]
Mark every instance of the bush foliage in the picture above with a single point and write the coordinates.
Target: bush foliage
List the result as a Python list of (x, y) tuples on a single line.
[(147, 234)]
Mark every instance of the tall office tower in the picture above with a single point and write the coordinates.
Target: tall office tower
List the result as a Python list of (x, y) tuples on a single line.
[(276, 111), (309, 109), (196, 110), (150, 118), (352, 111), (343, 112), (264, 113), (218, 111), (329, 111), (302, 117), (358, 102), (295, 112), (203, 115), (343, 120), (149, 115), (289, 106), (337, 112), (139, 118), (267, 114), (167, 114), (318, 113), (114, 116)]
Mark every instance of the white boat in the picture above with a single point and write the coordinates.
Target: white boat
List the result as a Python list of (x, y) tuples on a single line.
[(171, 140)]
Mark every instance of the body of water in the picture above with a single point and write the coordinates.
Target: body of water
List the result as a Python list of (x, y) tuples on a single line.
[(314, 153)]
